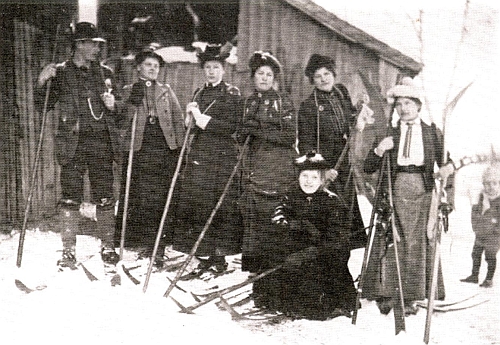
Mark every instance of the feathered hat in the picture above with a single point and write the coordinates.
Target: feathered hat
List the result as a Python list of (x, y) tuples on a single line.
[(311, 161), (406, 88), (149, 52), (213, 52), (261, 58), (317, 61)]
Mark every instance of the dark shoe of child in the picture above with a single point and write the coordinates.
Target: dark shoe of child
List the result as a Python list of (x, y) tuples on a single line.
[(68, 259), (384, 304), (109, 256), (487, 283), (470, 279)]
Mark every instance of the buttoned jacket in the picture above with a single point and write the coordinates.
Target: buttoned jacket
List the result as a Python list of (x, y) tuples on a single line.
[(168, 111)]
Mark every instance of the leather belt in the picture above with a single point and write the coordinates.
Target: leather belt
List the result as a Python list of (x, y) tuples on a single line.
[(411, 169)]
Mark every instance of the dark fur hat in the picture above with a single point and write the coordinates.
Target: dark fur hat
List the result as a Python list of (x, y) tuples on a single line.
[(149, 52), (260, 58), (213, 52), (317, 61), (311, 161), (86, 31)]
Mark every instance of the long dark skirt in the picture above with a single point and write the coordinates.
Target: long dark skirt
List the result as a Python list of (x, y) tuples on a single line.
[(200, 190), (314, 291), (411, 204), (262, 241), (152, 171)]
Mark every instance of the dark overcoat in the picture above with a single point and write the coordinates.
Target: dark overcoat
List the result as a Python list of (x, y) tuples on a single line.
[(73, 88), (486, 224), (211, 158), (268, 169), (323, 281), (325, 120)]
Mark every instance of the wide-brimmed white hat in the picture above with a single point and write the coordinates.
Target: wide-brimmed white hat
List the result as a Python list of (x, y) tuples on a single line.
[(407, 88)]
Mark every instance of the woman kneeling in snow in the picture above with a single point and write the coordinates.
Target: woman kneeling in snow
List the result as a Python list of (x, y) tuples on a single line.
[(315, 282)]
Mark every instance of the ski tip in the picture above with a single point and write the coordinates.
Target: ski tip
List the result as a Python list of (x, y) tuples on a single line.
[(183, 308), (21, 286)]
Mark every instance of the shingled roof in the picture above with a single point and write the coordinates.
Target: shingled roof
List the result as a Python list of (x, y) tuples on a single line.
[(355, 35)]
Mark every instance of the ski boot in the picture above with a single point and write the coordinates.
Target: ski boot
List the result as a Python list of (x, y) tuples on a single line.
[(67, 260), (109, 256), (470, 279)]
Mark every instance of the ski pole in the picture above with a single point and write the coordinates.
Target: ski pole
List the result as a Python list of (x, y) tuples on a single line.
[(22, 235), (167, 203), (399, 320), (369, 246), (210, 219), (127, 184)]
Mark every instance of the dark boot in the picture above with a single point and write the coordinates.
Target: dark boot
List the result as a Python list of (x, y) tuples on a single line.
[(384, 304), (471, 279), (476, 265)]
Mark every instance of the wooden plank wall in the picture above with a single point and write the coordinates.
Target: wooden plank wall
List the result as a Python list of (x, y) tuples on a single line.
[(263, 25)]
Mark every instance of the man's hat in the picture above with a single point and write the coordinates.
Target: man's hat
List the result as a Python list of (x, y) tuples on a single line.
[(311, 161), (406, 88), (213, 52), (261, 58), (317, 61), (86, 31), (149, 52)]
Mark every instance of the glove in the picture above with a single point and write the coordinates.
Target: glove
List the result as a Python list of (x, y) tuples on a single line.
[(200, 119), (386, 144), (331, 174), (295, 260), (445, 171), (137, 94), (191, 106)]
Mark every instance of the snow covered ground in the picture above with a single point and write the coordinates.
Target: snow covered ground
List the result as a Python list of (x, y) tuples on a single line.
[(68, 308)]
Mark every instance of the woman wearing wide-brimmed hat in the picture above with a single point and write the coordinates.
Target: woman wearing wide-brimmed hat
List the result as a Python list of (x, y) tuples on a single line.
[(414, 148), (269, 118)]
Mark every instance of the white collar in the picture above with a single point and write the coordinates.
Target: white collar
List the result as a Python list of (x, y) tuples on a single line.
[(215, 84), (416, 121)]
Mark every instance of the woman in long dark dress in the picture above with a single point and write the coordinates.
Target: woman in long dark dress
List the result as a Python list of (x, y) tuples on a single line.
[(212, 156), (269, 118), (315, 282), (159, 136), (324, 123)]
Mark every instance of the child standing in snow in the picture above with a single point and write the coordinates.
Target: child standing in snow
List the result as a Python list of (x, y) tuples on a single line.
[(485, 219), (315, 282)]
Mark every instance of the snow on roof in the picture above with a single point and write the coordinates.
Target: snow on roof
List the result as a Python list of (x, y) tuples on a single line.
[(180, 54)]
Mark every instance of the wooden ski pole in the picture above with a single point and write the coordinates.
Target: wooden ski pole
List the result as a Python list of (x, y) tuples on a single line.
[(167, 203), (22, 234), (436, 240), (399, 310), (127, 184), (210, 219), (369, 245)]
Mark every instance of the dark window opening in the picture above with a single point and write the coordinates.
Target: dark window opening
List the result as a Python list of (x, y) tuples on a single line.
[(132, 26)]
